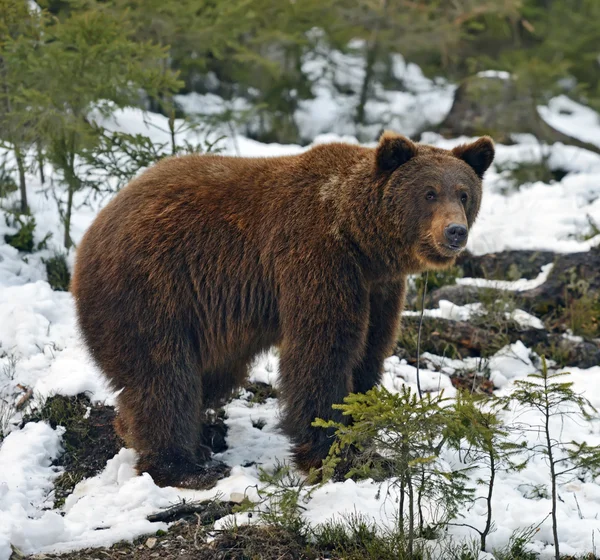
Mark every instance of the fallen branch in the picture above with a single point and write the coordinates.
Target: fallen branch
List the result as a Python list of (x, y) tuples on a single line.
[(207, 511)]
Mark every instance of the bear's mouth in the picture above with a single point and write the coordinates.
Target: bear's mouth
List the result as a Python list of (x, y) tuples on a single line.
[(455, 249), (440, 253)]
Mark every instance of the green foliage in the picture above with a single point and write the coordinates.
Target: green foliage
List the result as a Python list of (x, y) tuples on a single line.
[(7, 182), (399, 437), (522, 173), (358, 538), (280, 500), (119, 156), (68, 412), (581, 310), (516, 548), (80, 67), (57, 272), (284, 497), (481, 436), (23, 239), (437, 278), (20, 31)]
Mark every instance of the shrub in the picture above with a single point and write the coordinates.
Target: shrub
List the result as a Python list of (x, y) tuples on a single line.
[(58, 273)]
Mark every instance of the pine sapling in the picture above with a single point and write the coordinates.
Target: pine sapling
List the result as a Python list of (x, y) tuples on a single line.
[(482, 440), (398, 438), (553, 398)]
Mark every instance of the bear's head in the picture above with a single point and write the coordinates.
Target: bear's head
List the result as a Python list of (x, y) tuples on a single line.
[(431, 195)]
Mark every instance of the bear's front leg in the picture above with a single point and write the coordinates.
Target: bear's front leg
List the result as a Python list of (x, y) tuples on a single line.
[(324, 323), (385, 307)]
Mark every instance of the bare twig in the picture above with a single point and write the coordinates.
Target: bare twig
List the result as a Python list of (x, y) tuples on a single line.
[(419, 336)]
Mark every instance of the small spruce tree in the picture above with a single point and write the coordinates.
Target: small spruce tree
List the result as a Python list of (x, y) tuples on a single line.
[(400, 437), (482, 440), (554, 398)]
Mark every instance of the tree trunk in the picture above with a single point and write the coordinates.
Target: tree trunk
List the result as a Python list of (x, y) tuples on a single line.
[(373, 47), (488, 522), (40, 162), (22, 182), (68, 242), (552, 479), (366, 84), (411, 515), (73, 185)]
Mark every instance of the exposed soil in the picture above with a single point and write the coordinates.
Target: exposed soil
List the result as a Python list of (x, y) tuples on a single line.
[(89, 440), (261, 392)]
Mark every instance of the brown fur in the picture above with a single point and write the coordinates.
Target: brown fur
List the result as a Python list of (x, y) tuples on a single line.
[(204, 261)]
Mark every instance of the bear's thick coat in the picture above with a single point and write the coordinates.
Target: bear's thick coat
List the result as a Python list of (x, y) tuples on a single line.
[(204, 261)]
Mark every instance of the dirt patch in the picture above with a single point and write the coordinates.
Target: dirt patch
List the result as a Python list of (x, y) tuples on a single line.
[(186, 540), (261, 392), (473, 382), (89, 440)]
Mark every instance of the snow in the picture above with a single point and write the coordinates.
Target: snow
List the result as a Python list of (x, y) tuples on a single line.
[(40, 347), (515, 286), (331, 111), (26, 477), (572, 118), (453, 312), (502, 74)]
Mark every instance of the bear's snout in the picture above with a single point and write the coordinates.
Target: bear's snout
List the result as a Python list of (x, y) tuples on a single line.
[(456, 234)]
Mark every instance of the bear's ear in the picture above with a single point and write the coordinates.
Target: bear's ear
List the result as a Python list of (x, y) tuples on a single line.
[(479, 154), (393, 151)]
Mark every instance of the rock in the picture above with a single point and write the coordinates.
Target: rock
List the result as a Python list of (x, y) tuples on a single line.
[(462, 339), (505, 265), (569, 299), (151, 542)]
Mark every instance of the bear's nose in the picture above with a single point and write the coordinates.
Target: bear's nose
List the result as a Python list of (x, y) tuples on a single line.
[(456, 234)]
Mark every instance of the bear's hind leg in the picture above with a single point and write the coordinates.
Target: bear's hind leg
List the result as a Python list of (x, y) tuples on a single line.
[(161, 418)]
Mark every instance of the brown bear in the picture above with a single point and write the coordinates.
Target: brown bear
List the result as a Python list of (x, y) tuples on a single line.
[(205, 260)]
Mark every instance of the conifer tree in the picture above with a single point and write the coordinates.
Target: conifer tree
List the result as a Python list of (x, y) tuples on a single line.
[(399, 438), (87, 66), (20, 29), (554, 399)]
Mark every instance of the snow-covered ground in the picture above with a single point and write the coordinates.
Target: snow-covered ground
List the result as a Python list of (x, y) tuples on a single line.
[(41, 349)]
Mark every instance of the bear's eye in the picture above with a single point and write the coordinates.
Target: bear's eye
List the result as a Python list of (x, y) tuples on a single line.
[(431, 195), (464, 197)]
